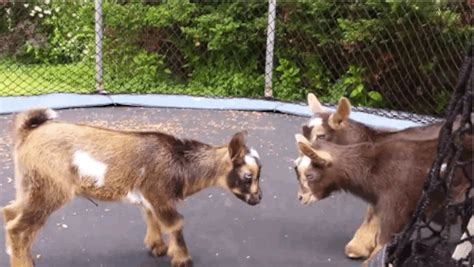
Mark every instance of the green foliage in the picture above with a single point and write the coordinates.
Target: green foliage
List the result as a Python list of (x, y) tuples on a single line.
[(62, 31), (352, 84), (364, 51), (287, 79), (175, 47), (379, 54)]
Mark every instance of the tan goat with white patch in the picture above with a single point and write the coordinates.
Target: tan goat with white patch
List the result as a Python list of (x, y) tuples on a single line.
[(56, 161)]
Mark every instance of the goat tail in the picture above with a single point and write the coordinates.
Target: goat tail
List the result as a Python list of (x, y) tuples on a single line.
[(29, 120)]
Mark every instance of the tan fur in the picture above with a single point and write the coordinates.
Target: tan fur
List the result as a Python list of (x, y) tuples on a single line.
[(339, 119), (153, 238), (364, 240), (317, 155), (314, 104), (56, 161)]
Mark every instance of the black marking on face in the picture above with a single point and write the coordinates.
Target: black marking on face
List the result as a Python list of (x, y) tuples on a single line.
[(243, 177)]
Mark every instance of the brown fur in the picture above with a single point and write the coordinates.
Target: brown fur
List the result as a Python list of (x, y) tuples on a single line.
[(347, 131), (158, 168), (357, 168)]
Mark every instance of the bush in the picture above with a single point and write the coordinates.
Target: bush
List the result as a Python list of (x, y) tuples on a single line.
[(211, 49), (379, 54), (49, 32)]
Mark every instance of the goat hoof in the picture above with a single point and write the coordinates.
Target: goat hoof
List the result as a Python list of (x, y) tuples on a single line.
[(356, 252), (182, 263), (158, 250)]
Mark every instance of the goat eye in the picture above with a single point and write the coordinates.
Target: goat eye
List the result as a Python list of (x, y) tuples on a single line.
[(321, 137), (310, 177), (248, 176)]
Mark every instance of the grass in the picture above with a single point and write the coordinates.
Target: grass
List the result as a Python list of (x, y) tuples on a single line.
[(18, 79), (33, 79)]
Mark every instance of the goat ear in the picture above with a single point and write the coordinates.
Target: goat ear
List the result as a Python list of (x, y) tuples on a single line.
[(237, 145), (307, 131), (320, 158), (314, 104), (339, 119), (302, 139)]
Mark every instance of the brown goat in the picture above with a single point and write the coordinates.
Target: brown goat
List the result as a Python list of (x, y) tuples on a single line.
[(339, 129), (56, 161), (388, 175)]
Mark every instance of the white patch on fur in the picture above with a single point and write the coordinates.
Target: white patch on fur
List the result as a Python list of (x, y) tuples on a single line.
[(146, 203), (307, 198), (297, 161), (303, 161), (254, 153), (135, 197), (8, 251), (51, 114), (250, 160), (443, 167), (90, 167), (247, 197), (315, 122)]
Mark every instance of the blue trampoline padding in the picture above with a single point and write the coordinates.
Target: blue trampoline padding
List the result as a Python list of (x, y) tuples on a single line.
[(183, 101), (11, 104), (362, 117), (59, 101)]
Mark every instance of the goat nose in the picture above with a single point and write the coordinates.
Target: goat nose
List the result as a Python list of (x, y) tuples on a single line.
[(300, 197)]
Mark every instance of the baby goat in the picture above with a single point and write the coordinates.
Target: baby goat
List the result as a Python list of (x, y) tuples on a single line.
[(339, 129), (56, 161), (388, 175)]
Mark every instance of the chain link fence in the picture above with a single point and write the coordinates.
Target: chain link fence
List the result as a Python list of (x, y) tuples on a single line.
[(398, 56), (384, 56), (447, 240)]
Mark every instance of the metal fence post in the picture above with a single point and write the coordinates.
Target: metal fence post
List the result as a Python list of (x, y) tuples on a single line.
[(270, 47), (99, 83)]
